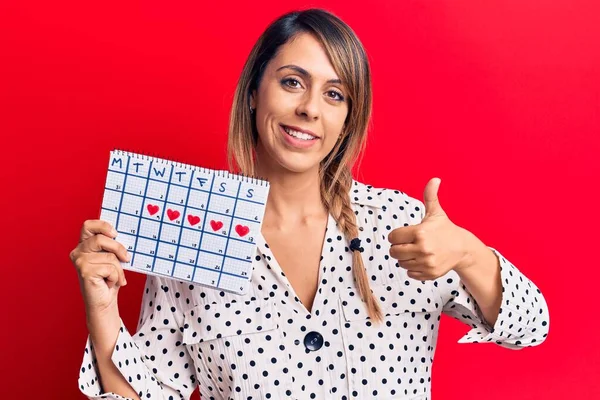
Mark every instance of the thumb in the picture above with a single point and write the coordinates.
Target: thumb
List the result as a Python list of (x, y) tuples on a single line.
[(430, 197)]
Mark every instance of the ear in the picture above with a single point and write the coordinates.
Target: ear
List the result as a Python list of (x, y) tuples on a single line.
[(253, 99)]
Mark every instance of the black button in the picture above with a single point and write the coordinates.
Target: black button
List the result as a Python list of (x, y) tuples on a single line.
[(313, 341)]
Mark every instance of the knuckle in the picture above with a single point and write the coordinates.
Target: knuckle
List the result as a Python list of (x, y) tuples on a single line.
[(429, 261), (79, 263), (85, 273), (392, 252), (87, 226), (426, 249), (103, 270), (96, 240), (109, 257), (73, 255), (391, 236)]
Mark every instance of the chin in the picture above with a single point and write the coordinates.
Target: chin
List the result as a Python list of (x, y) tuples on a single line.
[(296, 162)]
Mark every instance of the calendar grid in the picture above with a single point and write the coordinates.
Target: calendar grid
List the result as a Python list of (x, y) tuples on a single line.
[(198, 190), (230, 225), (197, 236), (187, 197), (212, 182), (163, 217), (203, 231), (191, 208), (122, 194), (205, 251), (137, 231)]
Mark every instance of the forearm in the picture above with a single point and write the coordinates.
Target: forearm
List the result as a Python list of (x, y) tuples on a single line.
[(104, 331), (480, 273)]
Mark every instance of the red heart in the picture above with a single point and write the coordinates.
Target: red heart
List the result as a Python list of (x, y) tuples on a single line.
[(216, 225), (152, 209), (172, 214), (242, 230), (193, 219)]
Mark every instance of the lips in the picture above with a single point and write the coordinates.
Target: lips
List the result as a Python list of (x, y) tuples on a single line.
[(295, 142), (297, 129)]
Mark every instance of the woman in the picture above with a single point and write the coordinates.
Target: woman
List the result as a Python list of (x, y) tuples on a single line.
[(349, 281)]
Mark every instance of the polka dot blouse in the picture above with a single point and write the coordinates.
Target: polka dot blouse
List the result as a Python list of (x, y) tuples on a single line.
[(266, 345)]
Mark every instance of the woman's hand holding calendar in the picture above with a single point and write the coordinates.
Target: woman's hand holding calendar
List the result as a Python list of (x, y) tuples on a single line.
[(96, 259)]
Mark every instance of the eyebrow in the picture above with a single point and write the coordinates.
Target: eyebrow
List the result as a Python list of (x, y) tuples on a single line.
[(304, 72)]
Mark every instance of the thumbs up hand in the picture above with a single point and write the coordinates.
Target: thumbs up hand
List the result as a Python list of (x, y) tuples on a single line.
[(435, 246)]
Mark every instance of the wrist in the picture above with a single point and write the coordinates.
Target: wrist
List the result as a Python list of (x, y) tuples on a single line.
[(473, 249), (103, 327), (97, 316)]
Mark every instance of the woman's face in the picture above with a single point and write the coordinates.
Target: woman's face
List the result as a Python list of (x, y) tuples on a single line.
[(300, 107)]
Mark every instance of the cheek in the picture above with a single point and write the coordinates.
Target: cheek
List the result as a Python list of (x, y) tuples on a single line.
[(275, 103), (334, 123)]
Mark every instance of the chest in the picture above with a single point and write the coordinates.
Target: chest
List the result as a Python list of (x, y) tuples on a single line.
[(298, 254)]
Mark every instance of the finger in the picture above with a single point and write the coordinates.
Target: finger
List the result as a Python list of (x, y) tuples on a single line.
[(99, 243), (105, 271), (404, 252), (108, 258), (430, 198), (411, 265), (416, 275), (122, 280), (404, 234), (112, 278), (93, 227)]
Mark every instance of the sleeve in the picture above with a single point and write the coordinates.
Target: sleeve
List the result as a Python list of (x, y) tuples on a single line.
[(523, 320), (154, 360)]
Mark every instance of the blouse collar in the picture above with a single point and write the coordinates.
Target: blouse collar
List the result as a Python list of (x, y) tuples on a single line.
[(365, 195)]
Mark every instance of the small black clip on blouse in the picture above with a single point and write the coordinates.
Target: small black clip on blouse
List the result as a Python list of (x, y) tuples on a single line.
[(355, 245)]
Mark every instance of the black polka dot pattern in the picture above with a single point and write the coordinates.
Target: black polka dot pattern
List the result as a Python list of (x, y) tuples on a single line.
[(253, 346)]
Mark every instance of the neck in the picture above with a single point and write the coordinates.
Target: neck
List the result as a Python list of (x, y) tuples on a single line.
[(294, 197)]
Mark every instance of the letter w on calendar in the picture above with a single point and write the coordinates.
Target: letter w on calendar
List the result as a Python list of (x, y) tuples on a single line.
[(184, 222)]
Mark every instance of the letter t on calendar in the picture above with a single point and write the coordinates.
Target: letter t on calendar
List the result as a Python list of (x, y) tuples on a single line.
[(184, 222)]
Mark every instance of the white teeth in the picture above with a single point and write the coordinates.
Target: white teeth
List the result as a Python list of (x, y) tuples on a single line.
[(299, 135)]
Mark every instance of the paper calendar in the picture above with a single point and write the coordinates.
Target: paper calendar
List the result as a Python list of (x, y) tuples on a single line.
[(184, 222)]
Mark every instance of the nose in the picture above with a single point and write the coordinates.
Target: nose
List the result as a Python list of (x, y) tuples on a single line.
[(309, 106)]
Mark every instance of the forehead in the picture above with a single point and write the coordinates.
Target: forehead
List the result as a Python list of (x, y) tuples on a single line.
[(306, 52)]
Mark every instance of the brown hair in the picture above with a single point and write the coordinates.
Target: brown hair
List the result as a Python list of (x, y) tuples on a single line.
[(349, 60)]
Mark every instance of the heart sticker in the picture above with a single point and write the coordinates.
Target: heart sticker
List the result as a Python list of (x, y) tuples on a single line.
[(193, 219), (216, 225), (152, 209), (172, 214), (242, 230)]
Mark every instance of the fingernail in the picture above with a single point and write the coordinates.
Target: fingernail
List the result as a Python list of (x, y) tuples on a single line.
[(124, 281), (128, 257), (114, 232)]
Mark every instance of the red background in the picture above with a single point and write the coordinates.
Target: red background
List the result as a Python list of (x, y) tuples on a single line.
[(500, 99)]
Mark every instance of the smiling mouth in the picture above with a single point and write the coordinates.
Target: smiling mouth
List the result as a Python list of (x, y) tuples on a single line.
[(298, 135)]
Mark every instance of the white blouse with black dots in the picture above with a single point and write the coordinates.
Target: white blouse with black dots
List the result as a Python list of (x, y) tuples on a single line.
[(266, 345)]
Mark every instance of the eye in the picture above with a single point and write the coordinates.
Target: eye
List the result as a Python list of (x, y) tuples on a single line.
[(333, 93), (291, 82)]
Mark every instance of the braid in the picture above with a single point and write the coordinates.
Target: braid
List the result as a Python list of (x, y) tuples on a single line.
[(336, 198)]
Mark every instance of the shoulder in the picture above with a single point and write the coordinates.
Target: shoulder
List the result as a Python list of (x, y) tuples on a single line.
[(387, 200)]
